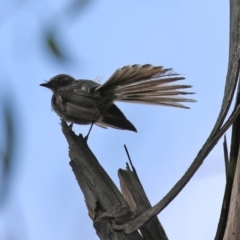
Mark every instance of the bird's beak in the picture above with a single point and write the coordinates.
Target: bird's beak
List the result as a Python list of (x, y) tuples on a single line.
[(47, 85)]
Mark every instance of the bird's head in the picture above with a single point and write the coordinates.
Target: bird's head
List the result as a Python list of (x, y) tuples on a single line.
[(59, 81)]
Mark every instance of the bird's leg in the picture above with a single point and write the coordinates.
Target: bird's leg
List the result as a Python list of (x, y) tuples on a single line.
[(86, 137)]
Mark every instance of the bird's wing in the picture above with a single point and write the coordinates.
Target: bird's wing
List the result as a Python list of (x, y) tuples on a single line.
[(79, 104)]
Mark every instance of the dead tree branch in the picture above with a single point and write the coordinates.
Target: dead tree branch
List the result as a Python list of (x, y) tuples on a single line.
[(106, 205)]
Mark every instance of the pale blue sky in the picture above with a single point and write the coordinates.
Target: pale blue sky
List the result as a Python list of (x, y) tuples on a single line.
[(192, 37)]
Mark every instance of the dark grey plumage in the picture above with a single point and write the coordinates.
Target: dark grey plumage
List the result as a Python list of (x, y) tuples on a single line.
[(86, 102)]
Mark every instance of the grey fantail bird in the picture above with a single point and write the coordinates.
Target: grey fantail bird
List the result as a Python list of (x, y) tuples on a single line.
[(87, 102)]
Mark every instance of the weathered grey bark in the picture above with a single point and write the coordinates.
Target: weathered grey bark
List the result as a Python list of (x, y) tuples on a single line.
[(232, 231), (229, 225), (106, 205), (136, 197)]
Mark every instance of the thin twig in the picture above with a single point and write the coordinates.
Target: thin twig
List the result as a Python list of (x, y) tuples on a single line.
[(226, 158), (129, 158)]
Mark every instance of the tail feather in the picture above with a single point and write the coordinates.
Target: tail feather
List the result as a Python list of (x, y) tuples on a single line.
[(155, 99), (152, 82), (156, 94), (147, 84), (161, 89), (162, 103)]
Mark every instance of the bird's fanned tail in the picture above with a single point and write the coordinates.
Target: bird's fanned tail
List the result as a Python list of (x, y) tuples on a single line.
[(147, 84)]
